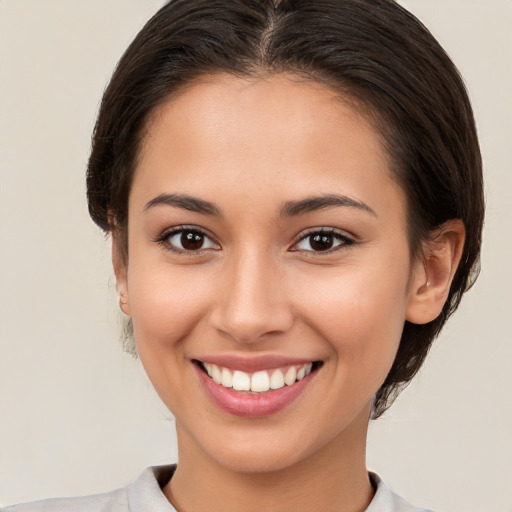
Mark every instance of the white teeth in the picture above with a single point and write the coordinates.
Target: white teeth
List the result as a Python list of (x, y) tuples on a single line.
[(216, 375), (260, 382), (226, 378), (277, 380), (291, 376), (241, 381), (305, 370)]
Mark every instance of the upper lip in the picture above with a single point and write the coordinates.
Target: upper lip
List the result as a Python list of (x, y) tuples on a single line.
[(251, 364)]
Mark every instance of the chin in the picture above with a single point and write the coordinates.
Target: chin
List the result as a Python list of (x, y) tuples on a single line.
[(256, 460)]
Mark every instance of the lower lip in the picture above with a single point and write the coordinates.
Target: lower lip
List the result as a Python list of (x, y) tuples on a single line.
[(253, 405)]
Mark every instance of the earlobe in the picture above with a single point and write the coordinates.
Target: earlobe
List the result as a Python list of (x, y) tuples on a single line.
[(433, 274), (120, 270)]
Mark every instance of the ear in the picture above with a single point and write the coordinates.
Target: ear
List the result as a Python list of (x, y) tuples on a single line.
[(120, 264), (433, 273)]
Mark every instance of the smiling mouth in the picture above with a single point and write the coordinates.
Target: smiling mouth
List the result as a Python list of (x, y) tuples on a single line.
[(258, 382)]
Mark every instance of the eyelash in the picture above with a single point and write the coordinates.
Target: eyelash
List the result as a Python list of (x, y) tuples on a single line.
[(163, 240), (344, 239)]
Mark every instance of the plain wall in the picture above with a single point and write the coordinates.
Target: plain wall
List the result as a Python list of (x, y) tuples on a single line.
[(77, 415)]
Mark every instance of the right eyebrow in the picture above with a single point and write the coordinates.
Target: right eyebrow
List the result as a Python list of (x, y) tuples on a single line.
[(314, 203), (186, 202)]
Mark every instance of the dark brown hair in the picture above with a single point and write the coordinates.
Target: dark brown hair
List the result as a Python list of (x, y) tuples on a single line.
[(371, 51)]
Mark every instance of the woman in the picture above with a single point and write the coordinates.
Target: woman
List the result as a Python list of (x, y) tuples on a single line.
[(294, 195)]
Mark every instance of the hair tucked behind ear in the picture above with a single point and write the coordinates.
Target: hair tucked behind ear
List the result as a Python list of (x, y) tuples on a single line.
[(373, 51)]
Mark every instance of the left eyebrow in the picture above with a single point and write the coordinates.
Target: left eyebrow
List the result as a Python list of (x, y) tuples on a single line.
[(314, 203), (185, 202)]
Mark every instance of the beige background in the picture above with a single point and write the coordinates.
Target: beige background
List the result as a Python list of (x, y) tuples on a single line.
[(78, 416)]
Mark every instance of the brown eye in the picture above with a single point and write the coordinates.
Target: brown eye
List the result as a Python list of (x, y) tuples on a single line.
[(191, 241), (323, 241), (188, 240)]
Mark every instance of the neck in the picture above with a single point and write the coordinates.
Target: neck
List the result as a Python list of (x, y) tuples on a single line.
[(333, 478)]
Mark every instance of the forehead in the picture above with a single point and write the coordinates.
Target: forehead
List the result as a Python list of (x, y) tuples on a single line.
[(217, 106), (268, 134)]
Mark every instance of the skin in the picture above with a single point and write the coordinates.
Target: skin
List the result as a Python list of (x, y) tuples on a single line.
[(256, 287)]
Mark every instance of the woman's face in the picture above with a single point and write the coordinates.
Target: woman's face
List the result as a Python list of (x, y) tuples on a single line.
[(267, 240)]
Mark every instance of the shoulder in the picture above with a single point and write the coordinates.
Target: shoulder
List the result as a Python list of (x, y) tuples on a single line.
[(143, 494), (114, 500), (385, 500)]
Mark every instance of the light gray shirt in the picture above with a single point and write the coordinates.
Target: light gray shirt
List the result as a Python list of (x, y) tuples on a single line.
[(145, 494)]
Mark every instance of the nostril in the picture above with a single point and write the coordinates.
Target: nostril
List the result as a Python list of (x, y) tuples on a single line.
[(248, 326)]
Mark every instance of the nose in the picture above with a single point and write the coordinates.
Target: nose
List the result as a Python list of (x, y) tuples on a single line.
[(252, 302)]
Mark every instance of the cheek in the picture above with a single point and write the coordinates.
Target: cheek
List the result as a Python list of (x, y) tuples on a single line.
[(361, 322), (166, 303), (359, 311)]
